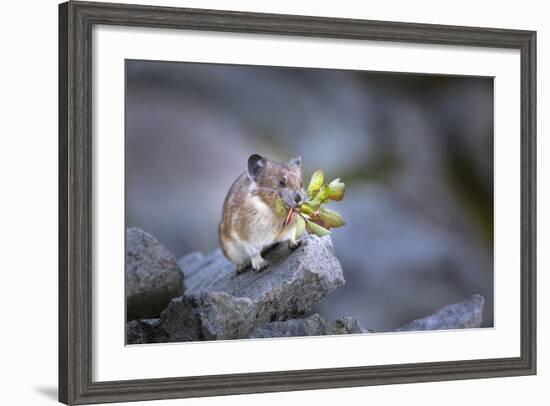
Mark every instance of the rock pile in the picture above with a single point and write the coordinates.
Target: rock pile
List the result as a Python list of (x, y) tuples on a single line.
[(153, 276), (200, 297), (466, 314)]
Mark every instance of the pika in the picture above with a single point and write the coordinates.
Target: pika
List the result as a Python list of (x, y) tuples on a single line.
[(252, 219)]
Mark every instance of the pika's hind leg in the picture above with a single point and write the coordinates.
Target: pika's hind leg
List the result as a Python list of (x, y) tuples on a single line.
[(255, 253), (236, 253)]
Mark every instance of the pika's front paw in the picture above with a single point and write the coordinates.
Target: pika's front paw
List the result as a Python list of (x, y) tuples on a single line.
[(293, 244), (259, 264)]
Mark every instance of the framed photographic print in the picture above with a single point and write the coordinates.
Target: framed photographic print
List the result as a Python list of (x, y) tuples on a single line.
[(257, 202)]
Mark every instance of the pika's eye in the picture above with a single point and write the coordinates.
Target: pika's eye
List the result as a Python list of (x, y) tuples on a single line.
[(282, 182)]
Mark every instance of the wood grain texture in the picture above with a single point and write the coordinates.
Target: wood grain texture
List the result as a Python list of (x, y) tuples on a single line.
[(76, 20), (63, 366)]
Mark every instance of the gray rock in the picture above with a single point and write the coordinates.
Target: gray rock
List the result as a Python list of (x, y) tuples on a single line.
[(190, 263), (181, 321), (466, 314), (290, 287), (348, 325), (224, 317), (145, 332), (312, 326), (201, 272), (208, 316), (221, 305), (153, 276)]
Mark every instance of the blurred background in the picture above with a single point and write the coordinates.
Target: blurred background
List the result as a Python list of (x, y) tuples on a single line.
[(415, 152)]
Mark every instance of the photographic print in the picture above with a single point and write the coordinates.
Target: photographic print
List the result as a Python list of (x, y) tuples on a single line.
[(268, 202)]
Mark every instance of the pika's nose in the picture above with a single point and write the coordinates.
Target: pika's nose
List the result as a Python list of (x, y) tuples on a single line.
[(297, 197)]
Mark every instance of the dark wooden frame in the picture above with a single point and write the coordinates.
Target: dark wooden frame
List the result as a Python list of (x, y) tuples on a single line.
[(76, 20)]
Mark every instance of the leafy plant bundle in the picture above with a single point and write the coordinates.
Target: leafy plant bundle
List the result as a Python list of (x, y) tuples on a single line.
[(312, 216)]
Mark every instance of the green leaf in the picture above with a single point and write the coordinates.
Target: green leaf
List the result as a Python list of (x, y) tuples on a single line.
[(300, 227), (331, 218), (314, 204), (323, 194), (307, 208), (337, 189), (315, 182), (316, 229), (280, 208)]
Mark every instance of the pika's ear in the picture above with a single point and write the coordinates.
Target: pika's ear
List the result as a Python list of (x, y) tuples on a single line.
[(256, 164), (296, 161)]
